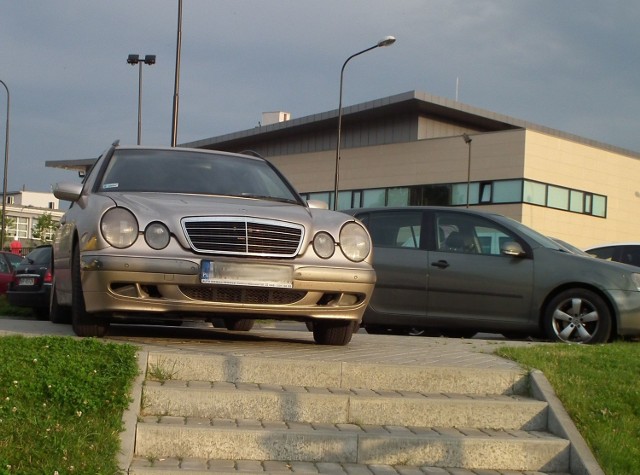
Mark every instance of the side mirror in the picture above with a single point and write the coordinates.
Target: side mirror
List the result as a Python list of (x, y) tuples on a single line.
[(513, 249), (67, 191), (317, 204)]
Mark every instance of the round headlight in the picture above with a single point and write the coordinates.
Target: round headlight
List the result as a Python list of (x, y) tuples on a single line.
[(157, 236), (324, 245), (354, 242), (119, 227)]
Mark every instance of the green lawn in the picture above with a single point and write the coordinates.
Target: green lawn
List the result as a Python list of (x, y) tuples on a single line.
[(61, 404), (600, 389)]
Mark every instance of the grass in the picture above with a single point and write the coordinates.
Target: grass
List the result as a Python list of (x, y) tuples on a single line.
[(61, 404), (600, 389), (62, 399)]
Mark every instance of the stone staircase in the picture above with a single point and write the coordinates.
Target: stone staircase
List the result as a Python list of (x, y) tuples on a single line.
[(241, 414)]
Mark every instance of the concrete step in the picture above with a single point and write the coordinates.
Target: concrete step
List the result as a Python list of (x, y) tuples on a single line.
[(228, 439), (166, 365), (224, 400), (193, 466)]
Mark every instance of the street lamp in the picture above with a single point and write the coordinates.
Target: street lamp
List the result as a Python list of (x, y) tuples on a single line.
[(134, 59), (467, 140), (386, 41), (176, 82), (6, 164)]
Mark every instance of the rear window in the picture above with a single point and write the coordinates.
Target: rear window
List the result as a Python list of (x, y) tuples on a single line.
[(39, 256)]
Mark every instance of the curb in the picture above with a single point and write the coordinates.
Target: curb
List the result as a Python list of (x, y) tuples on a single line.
[(581, 460), (130, 416)]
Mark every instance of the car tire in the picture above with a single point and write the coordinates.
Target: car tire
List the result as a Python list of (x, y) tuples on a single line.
[(241, 325), (577, 316), (58, 313), (84, 324), (333, 332)]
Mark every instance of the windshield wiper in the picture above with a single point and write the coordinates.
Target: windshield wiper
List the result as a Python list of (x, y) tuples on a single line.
[(268, 198)]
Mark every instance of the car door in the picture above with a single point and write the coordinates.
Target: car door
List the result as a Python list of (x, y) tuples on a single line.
[(470, 279), (400, 261)]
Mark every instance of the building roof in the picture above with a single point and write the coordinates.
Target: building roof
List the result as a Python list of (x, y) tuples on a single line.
[(413, 101)]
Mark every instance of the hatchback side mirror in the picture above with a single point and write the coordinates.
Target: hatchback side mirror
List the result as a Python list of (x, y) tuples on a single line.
[(512, 248)]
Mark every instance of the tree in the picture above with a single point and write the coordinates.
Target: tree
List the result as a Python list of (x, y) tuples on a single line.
[(45, 228)]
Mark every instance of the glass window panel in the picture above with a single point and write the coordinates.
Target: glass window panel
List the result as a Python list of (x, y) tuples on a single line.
[(485, 192), (373, 198), (344, 200), (599, 206), (558, 197), (576, 201), (459, 194), (534, 193), (398, 197), (507, 191)]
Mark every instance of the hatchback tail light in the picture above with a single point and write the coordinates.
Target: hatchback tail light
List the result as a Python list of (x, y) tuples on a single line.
[(48, 277)]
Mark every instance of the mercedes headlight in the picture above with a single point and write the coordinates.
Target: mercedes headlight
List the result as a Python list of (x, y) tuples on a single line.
[(119, 227), (324, 245), (157, 236), (354, 242)]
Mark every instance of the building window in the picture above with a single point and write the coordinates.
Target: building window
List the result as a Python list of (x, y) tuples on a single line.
[(534, 193), (455, 194), (11, 200), (22, 227), (507, 191)]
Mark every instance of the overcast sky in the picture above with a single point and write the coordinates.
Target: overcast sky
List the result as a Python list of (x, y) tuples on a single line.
[(572, 65)]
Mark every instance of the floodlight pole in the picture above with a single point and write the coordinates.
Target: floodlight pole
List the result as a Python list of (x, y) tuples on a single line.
[(134, 59)]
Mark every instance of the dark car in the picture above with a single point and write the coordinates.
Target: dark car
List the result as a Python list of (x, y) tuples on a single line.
[(31, 284), (458, 271), (625, 252), (8, 261)]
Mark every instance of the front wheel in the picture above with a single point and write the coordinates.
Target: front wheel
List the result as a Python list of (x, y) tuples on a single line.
[(83, 323), (578, 316), (333, 332), (239, 325)]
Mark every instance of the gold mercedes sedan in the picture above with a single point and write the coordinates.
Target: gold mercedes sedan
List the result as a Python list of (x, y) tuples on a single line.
[(177, 233)]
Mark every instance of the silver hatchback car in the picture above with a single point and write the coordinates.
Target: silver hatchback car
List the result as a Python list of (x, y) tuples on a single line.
[(456, 272), (176, 233)]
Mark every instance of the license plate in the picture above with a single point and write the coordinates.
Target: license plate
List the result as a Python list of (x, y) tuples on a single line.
[(27, 281), (254, 275)]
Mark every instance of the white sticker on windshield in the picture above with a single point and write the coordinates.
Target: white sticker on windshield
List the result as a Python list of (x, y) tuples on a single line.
[(110, 185)]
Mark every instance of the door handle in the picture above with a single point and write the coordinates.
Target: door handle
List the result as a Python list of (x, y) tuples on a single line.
[(440, 264)]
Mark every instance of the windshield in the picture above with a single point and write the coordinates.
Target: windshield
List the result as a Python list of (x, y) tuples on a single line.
[(177, 171), (541, 239)]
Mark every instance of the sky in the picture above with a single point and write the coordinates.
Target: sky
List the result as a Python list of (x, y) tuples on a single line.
[(572, 65)]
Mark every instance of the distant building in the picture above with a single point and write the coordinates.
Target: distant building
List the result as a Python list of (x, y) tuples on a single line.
[(23, 209), (418, 149)]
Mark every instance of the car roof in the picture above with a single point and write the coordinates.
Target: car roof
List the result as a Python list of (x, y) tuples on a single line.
[(613, 244)]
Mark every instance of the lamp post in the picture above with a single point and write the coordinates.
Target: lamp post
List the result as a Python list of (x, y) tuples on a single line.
[(467, 140), (134, 59), (176, 82), (6, 164), (386, 41)]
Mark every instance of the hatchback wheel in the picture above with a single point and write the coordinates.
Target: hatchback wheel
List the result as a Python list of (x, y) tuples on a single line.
[(333, 332), (84, 323), (578, 316)]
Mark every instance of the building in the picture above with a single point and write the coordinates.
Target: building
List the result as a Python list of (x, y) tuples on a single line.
[(23, 209), (418, 149)]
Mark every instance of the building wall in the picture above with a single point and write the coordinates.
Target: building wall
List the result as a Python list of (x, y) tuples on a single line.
[(567, 163), (494, 156)]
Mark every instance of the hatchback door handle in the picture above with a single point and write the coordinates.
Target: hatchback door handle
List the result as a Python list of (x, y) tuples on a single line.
[(440, 264)]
